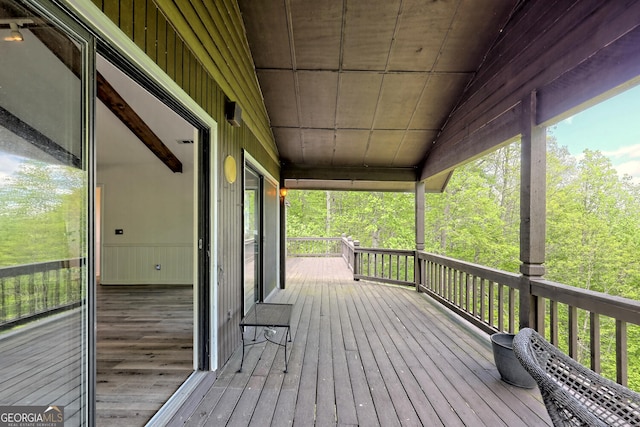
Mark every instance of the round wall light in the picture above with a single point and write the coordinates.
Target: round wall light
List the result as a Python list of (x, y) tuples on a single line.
[(230, 170)]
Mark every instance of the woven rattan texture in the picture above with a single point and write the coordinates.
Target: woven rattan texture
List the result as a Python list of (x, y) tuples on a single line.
[(573, 394)]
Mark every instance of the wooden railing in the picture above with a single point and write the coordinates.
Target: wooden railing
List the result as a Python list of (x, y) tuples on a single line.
[(31, 290), (314, 246), (499, 301), (596, 308), (486, 297)]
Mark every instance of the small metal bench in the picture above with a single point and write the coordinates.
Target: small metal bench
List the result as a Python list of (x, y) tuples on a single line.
[(573, 394), (268, 316)]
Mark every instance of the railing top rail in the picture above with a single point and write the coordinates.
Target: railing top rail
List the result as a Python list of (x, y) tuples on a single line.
[(621, 308), (498, 276), (303, 239), (24, 269), (359, 249)]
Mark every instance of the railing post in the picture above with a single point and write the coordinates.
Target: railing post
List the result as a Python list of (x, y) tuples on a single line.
[(356, 259), (417, 270)]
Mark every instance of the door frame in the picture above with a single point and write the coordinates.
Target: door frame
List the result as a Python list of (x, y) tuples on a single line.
[(121, 51), (264, 175)]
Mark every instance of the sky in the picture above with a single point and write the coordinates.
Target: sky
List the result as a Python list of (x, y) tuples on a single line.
[(611, 127)]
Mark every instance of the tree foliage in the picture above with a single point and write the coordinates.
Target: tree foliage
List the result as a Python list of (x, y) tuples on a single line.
[(43, 215)]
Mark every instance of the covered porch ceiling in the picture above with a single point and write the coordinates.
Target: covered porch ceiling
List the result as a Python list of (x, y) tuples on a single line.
[(376, 95)]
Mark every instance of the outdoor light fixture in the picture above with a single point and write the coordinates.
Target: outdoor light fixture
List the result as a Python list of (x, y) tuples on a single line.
[(16, 35), (14, 26), (283, 192)]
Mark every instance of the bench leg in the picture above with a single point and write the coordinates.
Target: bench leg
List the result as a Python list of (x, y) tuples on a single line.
[(286, 358), (242, 337)]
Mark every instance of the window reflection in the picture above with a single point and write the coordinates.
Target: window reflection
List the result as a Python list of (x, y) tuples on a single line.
[(43, 216)]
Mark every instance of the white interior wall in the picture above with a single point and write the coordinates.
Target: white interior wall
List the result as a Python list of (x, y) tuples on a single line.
[(154, 209), (153, 206)]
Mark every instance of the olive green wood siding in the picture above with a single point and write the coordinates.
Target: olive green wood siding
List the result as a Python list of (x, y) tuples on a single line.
[(209, 58)]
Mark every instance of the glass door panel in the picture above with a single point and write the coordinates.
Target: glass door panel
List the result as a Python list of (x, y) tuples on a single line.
[(252, 238), (45, 221)]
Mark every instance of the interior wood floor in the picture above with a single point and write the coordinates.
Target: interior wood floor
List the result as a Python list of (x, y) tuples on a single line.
[(144, 350), (364, 354)]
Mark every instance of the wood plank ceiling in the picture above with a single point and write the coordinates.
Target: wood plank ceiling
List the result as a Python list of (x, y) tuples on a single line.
[(357, 91)]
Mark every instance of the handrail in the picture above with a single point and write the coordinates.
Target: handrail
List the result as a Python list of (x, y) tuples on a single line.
[(32, 290)]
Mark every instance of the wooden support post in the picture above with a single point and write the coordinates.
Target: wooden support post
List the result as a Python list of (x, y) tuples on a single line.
[(283, 241), (419, 226), (356, 259), (532, 207)]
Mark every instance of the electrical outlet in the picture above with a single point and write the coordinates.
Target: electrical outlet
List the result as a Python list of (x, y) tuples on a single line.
[(158, 267)]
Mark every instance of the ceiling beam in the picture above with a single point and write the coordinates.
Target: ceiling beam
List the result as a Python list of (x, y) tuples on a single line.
[(28, 133), (64, 49), (119, 107), (350, 173)]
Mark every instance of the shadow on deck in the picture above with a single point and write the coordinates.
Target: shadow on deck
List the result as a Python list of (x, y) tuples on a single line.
[(365, 354)]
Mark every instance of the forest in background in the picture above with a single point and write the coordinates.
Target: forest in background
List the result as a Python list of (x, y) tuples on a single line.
[(592, 234)]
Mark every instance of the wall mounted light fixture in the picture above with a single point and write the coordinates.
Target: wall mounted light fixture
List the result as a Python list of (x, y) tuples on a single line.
[(14, 25), (16, 35)]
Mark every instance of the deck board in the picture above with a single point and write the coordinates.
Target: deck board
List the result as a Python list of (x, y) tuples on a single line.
[(366, 354)]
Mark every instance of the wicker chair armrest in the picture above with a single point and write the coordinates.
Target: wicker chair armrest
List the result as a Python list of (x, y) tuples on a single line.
[(572, 393)]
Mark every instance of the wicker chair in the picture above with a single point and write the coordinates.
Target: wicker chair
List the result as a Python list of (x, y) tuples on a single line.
[(573, 394)]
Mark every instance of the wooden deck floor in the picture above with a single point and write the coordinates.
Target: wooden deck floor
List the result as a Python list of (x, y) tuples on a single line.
[(365, 354), (144, 350), (144, 353)]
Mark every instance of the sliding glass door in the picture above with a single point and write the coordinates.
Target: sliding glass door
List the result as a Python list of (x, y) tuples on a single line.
[(46, 276), (252, 237)]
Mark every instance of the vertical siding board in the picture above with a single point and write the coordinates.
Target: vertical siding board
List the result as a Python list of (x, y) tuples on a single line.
[(161, 48), (193, 79), (171, 52), (111, 9), (126, 17), (98, 4), (139, 23), (151, 28), (178, 62)]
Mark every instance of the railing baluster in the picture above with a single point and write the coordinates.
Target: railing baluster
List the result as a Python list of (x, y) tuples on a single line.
[(458, 285), (573, 332), (622, 362), (31, 296), (594, 341), (540, 307), (501, 310), (483, 305), (512, 310), (553, 322), (491, 305), (18, 297), (474, 284), (466, 292)]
